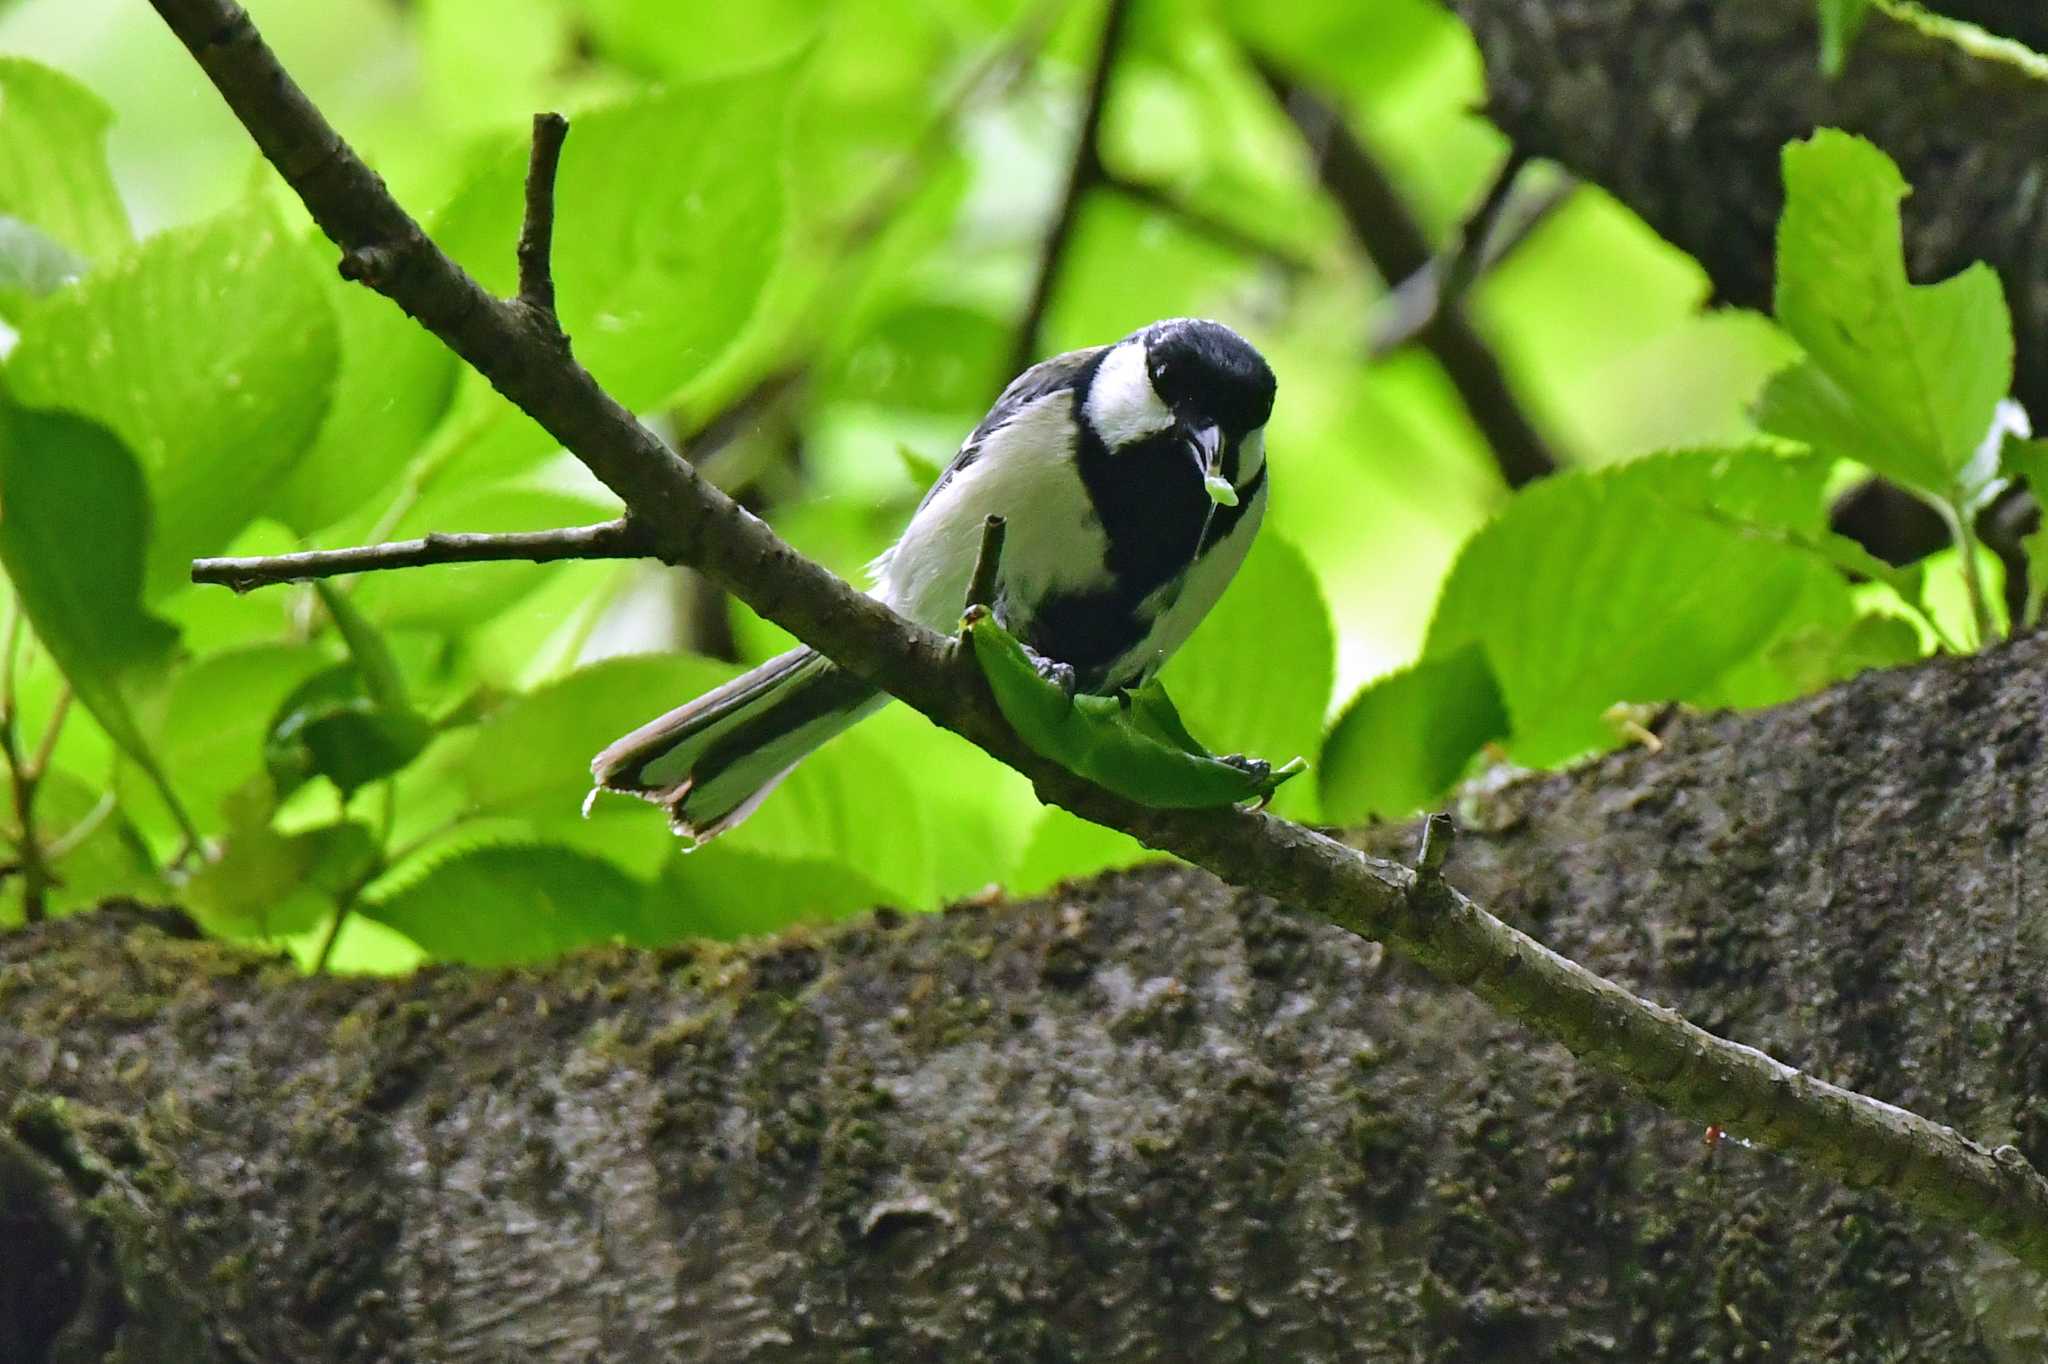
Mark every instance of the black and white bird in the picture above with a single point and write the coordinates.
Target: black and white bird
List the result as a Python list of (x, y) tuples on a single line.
[(1132, 477)]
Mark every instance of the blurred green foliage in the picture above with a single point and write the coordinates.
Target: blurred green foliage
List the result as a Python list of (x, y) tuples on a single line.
[(799, 236)]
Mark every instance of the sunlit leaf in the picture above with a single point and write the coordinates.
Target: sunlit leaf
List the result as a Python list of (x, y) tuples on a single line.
[(394, 383), (53, 160), (502, 906), (725, 891), (1256, 676), (532, 757), (656, 270), (211, 351), (330, 726), (216, 716), (1403, 740), (1904, 378), (1630, 585), (74, 533), (1065, 846)]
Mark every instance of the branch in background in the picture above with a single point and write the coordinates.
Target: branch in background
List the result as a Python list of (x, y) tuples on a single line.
[(1219, 230), (1419, 301), (32, 861), (1390, 236), (620, 539), (1686, 1069), (1084, 174)]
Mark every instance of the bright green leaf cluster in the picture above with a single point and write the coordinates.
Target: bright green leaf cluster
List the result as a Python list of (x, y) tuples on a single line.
[(853, 198)]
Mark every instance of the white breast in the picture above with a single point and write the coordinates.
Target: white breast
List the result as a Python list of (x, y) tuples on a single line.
[(1025, 474)]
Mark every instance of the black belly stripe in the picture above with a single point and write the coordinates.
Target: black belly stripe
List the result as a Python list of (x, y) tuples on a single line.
[(1150, 502)]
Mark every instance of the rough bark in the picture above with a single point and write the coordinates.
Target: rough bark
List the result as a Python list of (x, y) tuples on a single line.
[(1145, 1118), (1679, 109)]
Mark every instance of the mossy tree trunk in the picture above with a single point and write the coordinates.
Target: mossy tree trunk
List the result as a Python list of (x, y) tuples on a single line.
[(1145, 1118)]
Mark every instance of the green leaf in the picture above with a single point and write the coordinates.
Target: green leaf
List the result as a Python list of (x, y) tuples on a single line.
[(331, 727), (103, 860), (503, 906), (53, 160), (722, 891), (1407, 737), (1904, 378), (1840, 22), (1635, 584), (1094, 737), (1256, 676), (1064, 846), (394, 384), (532, 757), (211, 351), (262, 883), (848, 804), (74, 531), (217, 715), (454, 597), (656, 270)]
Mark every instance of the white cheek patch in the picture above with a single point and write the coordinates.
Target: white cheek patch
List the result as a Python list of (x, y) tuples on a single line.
[(1122, 405)]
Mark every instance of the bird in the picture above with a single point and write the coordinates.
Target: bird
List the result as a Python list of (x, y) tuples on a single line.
[(1131, 478)]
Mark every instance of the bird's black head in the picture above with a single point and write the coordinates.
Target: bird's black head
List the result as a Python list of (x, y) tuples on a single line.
[(1208, 375)]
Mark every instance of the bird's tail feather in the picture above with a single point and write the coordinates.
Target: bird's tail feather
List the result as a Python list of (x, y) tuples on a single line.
[(711, 762)]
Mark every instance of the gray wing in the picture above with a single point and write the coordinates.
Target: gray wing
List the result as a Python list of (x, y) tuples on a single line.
[(1047, 376)]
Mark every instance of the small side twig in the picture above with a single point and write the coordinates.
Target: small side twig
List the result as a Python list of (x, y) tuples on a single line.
[(537, 230), (1417, 303), (619, 539), (981, 588), (1219, 230)]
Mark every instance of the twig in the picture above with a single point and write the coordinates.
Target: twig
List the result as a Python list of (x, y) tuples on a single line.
[(1472, 238), (620, 539), (537, 231), (1689, 1071), (1389, 235), (1415, 304), (981, 588), (24, 777), (1219, 230), (1083, 174)]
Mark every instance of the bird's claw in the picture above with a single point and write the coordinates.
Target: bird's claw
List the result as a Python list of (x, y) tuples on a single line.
[(1061, 675), (1258, 769)]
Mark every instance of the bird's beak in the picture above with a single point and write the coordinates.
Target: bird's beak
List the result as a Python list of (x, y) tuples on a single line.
[(1207, 444)]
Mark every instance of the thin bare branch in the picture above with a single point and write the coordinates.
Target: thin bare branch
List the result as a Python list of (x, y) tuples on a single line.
[(1417, 302), (1689, 1071), (537, 232), (620, 539), (1389, 235), (1219, 230), (988, 564)]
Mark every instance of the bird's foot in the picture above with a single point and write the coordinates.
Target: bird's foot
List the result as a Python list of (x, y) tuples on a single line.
[(1258, 769), (1060, 674)]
